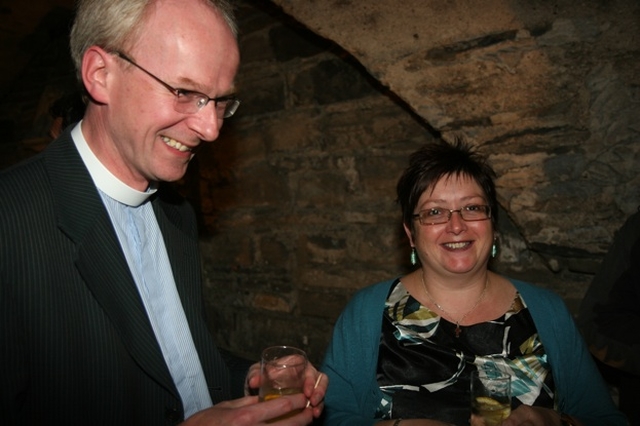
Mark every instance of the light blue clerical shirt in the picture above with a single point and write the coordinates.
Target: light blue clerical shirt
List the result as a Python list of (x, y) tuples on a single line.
[(143, 246)]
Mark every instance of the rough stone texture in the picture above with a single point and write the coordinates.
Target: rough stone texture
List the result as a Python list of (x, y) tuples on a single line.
[(548, 90), (296, 200)]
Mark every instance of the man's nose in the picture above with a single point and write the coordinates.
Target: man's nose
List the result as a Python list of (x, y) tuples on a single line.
[(207, 122)]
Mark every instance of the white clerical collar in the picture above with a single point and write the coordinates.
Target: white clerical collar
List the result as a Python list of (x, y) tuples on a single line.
[(104, 179)]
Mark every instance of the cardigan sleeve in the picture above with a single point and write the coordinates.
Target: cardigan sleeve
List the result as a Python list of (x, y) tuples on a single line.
[(581, 391), (610, 303), (351, 358)]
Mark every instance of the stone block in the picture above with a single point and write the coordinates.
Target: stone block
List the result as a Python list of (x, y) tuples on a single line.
[(339, 279), (330, 81), (261, 90), (294, 133), (271, 302), (274, 250), (321, 304), (227, 249), (255, 47), (292, 41)]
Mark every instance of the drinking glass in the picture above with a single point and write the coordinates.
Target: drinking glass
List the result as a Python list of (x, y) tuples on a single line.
[(490, 397), (282, 373)]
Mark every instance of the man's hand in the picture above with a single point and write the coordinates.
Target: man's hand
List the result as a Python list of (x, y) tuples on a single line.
[(248, 411), (314, 389)]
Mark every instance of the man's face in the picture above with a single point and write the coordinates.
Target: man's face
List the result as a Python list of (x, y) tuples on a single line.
[(189, 46)]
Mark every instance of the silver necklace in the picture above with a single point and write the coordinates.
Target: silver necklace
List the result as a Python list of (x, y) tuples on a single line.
[(459, 320)]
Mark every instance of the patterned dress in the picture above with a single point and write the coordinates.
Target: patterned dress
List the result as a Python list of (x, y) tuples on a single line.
[(424, 370)]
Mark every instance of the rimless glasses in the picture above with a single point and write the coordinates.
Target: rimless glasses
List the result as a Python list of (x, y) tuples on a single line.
[(189, 101)]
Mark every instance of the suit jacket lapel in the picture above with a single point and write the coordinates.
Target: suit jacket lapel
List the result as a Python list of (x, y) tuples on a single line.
[(100, 260)]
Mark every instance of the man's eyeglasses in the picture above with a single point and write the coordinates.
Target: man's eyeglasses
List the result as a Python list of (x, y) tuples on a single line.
[(188, 101), (436, 215)]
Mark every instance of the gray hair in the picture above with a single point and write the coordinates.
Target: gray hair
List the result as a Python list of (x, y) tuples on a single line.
[(111, 24)]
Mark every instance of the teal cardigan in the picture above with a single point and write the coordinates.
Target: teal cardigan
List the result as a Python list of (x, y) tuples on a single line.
[(351, 360)]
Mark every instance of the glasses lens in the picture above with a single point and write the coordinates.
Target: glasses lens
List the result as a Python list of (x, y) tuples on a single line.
[(192, 102), (229, 107), (433, 217), (475, 213), (189, 102)]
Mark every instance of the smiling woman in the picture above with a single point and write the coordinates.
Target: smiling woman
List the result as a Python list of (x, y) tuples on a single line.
[(406, 348)]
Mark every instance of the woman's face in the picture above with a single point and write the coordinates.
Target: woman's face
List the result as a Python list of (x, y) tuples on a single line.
[(458, 246)]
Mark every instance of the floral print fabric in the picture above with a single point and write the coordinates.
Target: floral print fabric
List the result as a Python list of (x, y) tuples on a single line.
[(424, 370)]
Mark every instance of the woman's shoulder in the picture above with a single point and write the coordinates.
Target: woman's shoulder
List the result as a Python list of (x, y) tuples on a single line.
[(528, 287), (538, 297), (376, 291), (372, 294), (364, 310), (373, 291)]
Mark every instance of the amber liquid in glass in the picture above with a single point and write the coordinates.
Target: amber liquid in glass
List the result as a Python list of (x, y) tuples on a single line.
[(491, 410), (277, 393)]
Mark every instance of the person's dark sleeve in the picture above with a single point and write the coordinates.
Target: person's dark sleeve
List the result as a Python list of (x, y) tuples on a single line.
[(609, 313), (618, 317)]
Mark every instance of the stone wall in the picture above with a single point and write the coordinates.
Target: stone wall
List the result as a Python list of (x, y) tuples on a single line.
[(548, 89), (298, 193), (301, 211), (296, 200)]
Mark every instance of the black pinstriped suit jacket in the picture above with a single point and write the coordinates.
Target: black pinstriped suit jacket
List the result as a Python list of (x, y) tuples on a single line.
[(75, 343)]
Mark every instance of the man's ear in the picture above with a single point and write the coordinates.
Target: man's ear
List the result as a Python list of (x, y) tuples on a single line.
[(96, 67)]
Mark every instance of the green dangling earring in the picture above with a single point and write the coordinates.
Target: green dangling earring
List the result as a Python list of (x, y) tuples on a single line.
[(414, 256), (494, 250)]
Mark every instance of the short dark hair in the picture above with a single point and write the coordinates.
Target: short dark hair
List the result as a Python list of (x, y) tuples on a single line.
[(439, 159)]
